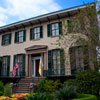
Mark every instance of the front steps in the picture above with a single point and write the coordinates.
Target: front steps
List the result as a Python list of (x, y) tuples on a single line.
[(24, 84)]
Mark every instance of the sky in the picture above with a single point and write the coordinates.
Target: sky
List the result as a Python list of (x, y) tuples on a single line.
[(16, 10)]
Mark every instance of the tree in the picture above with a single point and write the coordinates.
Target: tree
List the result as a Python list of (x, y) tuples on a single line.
[(82, 29)]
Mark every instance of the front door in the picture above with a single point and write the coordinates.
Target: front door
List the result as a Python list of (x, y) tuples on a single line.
[(35, 66)]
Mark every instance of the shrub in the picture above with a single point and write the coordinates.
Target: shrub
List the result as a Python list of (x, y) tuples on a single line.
[(86, 97), (66, 93), (1, 88), (88, 82), (41, 96), (7, 90), (48, 85)]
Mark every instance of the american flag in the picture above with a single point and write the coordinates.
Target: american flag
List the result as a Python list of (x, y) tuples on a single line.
[(14, 69)]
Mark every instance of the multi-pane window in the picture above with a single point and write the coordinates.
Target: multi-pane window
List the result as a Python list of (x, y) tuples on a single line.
[(5, 69), (78, 59), (20, 36), (74, 26), (36, 33), (54, 29), (56, 62), (20, 60), (6, 39)]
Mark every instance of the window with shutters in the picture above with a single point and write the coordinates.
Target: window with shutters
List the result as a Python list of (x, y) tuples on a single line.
[(36, 33), (56, 62), (79, 59), (74, 26), (54, 29), (6, 39), (5, 66), (19, 59)]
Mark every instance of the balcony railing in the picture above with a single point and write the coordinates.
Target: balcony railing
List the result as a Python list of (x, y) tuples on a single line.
[(21, 74), (54, 72)]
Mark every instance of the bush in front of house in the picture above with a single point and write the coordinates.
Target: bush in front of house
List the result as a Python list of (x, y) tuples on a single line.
[(7, 90), (88, 82), (45, 85), (66, 93), (86, 97), (40, 96), (1, 88)]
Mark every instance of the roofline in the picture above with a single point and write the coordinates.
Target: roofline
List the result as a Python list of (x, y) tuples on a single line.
[(45, 15)]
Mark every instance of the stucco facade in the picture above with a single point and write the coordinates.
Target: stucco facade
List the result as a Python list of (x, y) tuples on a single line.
[(19, 48)]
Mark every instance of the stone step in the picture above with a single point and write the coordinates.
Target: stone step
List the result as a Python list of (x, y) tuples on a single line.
[(23, 85)]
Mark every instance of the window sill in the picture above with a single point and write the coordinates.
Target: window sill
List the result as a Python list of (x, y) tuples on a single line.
[(6, 45), (35, 39), (54, 36), (19, 42)]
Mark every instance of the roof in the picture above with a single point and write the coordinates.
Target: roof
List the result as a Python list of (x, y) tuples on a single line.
[(35, 47), (42, 18)]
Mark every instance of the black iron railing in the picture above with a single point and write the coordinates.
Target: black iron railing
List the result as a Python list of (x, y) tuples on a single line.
[(54, 72)]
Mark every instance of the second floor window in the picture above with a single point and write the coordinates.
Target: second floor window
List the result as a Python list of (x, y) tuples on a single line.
[(36, 33), (20, 36), (54, 29), (6, 39)]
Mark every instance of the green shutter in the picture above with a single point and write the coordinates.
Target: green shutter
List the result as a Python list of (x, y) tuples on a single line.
[(50, 62), (62, 61), (69, 25), (86, 57), (0, 65), (8, 66), (72, 60), (23, 69), (24, 35), (14, 57), (10, 35), (41, 31), (16, 33), (60, 27), (49, 30), (31, 32), (2, 40)]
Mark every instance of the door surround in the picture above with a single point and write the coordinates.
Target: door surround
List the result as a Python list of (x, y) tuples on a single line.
[(36, 49)]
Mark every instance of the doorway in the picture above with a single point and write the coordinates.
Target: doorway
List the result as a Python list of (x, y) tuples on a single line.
[(35, 66)]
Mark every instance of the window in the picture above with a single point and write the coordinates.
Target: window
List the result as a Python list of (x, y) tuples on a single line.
[(55, 64), (5, 66), (74, 26), (54, 29), (20, 36), (6, 39), (79, 59), (20, 60), (36, 33)]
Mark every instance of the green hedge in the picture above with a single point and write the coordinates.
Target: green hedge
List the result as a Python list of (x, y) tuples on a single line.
[(86, 97)]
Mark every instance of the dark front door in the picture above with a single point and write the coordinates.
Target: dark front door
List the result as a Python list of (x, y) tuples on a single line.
[(37, 67)]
